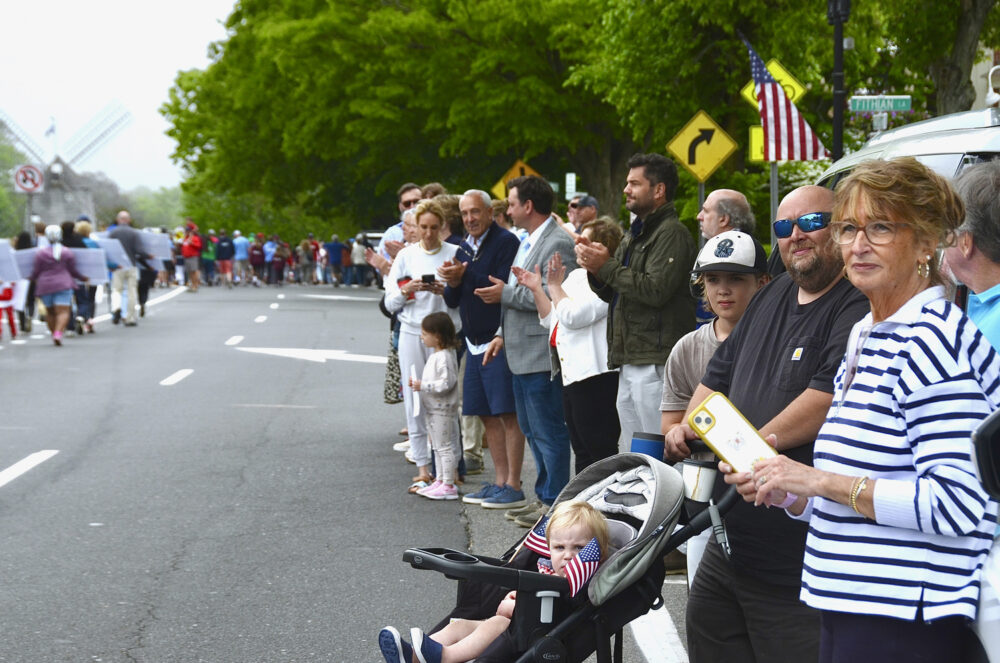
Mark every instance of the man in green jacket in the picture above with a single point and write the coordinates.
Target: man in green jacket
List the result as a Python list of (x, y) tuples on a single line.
[(646, 286)]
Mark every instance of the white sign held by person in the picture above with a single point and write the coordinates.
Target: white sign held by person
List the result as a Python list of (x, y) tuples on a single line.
[(115, 252), (158, 245), (8, 265), (93, 264), (25, 260)]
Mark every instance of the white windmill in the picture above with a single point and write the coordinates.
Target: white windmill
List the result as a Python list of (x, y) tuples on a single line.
[(65, 194)]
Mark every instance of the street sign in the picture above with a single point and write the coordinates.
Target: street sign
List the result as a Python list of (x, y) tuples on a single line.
[(519, 169), (701, 146), (570, 185), (756, 151), (28, 179), (880, 103), (794, 90)]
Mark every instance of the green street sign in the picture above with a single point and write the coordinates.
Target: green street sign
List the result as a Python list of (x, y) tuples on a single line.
[(880, 104)]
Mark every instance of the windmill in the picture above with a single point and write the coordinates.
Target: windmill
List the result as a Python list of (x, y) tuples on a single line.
[(67, 194)]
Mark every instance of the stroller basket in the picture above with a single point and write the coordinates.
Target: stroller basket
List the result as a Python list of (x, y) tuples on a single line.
[(642, 499)]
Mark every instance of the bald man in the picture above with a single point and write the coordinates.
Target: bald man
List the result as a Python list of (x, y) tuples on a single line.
[(726, 209)]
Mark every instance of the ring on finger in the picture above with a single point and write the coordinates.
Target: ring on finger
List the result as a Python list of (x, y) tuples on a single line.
[(761, 481)]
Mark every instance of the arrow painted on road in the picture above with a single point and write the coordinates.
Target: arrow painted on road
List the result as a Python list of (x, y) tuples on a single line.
[(704, 136), (320, 356)]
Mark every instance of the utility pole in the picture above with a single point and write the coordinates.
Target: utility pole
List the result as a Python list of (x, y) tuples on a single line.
[(837, 13)]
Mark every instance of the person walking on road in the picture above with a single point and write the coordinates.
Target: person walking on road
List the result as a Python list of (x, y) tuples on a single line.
[(52, 273)]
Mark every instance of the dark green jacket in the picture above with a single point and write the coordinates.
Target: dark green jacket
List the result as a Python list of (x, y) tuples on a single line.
[(651, 305)]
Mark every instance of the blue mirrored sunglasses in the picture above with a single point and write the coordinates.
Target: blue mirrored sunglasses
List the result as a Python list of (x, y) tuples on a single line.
[(807, 223)]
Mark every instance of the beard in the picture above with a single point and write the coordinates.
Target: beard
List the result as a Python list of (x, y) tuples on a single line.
[(818, 270)]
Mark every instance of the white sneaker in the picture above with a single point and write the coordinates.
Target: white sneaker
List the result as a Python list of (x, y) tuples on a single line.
[(401, 446), (409, 457)]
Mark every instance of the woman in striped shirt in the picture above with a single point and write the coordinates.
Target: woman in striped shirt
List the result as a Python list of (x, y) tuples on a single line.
[(899, 524)]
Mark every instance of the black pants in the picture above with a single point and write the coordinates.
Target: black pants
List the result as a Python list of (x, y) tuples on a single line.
[(847, 638), (735, 618), (592, 418)]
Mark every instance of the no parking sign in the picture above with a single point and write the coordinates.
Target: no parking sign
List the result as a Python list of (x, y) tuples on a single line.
[(28, 179)]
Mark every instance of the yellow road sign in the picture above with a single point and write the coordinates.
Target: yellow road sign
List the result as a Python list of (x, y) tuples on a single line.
[(794, 90), (756, 152), (517, 170), (701, 146)]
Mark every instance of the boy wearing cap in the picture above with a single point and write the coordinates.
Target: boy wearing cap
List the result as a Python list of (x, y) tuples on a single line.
[(730, 268)]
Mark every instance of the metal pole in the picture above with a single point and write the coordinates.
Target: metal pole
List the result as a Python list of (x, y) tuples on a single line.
[(837, 13), (774, 202), (701, 201)]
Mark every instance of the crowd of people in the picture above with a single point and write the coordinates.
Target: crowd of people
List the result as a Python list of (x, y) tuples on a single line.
[(864, 537)]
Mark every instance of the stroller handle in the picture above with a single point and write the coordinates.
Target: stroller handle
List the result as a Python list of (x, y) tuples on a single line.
[(464, 566), (703, 520)]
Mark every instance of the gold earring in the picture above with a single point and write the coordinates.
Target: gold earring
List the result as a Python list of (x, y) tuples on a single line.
[(924, 269)]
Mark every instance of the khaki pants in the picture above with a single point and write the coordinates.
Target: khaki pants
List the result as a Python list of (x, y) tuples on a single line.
[(120, 279)]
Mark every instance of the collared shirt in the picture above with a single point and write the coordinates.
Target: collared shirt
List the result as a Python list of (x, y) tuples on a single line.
[(474, 243), (984, 309)]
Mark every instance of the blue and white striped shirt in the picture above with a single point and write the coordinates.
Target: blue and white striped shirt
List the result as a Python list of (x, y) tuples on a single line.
[(925, 378)]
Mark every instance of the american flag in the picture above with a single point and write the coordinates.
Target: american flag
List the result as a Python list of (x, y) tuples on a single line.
[(787, 136), (579, 569), (536, 538)]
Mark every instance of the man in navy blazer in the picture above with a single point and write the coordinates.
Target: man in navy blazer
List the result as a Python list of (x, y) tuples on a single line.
[(537, 396), (487, 390)]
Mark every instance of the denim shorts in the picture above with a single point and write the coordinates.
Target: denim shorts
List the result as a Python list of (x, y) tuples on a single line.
[(61, 298)]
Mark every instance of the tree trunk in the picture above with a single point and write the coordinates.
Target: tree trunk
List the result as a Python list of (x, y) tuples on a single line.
[(603, 172), (951, 74)]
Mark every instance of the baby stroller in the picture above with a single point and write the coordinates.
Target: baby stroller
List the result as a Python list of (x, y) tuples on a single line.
[(643, 500)]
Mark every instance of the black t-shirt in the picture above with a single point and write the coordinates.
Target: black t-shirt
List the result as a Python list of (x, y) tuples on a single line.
[(778, 350)]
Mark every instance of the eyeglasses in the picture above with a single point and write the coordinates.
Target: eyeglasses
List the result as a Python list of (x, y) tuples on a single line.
[(574, 205), (409, 203), (877, 232), (807, 223)]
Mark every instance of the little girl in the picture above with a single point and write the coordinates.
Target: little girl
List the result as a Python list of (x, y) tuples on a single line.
[(576, 534), (440, 402)]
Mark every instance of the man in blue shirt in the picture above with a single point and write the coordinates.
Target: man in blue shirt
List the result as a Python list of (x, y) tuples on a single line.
[(241, 257), (334, 259), (974, 258)]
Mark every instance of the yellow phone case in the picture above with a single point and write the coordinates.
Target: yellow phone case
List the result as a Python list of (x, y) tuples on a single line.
[(728, 433)]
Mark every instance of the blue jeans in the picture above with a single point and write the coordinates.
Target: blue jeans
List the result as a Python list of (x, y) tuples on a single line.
[(538, 401)]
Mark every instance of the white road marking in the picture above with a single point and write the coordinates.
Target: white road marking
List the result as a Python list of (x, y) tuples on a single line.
[(19, 341), (657, 637), (346, 298), (35, 337), (25, 464), (104, 317), (281, 296), (320, 356), (15, 427), (276, 405), (260, 318), (274, 306), (234, 340), (176, 377)]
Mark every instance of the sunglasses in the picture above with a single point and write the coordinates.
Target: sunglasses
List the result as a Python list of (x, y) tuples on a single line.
[(409, 203), (807, 223)]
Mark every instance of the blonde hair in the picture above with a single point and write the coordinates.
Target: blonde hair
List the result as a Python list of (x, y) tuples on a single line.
[(83, 228), (905, 191), (576, 512), (429, 207)]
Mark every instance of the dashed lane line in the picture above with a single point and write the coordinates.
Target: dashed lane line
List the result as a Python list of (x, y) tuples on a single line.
[(25, 464), (260, 318), (176, 377), (234, 340)]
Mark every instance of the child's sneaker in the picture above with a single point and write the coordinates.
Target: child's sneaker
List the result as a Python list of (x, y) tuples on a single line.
[(443, 491), (394, 649), (426, 489), (425, 649)]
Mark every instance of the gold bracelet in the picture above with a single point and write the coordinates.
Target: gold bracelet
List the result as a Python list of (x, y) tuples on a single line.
[(859, 485)]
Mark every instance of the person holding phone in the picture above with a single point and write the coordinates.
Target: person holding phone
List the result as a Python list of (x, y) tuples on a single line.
[(413, 297)]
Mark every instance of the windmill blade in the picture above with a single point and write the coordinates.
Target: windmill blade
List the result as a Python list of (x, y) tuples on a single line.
[(94, 127), (22, 139), (99, 132)]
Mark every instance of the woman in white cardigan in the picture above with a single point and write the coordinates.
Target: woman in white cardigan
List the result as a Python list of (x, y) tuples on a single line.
[(413, 291), (578, 320)]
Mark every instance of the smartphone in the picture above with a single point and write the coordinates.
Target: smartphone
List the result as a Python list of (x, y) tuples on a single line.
[(428, 278), (727, 432)]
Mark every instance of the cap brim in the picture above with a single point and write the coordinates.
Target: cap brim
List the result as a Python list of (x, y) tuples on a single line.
[(727, 267)]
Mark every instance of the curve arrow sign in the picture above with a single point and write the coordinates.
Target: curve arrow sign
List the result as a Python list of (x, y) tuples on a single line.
[(704, 136)]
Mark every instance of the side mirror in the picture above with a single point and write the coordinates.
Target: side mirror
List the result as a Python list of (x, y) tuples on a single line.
[(986, 445)]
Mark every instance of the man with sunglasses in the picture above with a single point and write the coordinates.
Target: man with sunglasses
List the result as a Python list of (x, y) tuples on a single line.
[(777, 367), (392, 241), (582, 209)]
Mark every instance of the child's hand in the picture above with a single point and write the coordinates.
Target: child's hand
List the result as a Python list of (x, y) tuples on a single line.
[(506, 607), (414, 384)]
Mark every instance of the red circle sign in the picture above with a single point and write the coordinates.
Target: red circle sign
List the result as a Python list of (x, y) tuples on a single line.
[(28, 179)]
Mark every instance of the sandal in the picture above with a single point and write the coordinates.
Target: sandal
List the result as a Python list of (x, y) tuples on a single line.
[(417, 485), (423, 477)]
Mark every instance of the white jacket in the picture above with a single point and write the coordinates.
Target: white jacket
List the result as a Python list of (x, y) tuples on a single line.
[(582, 336)]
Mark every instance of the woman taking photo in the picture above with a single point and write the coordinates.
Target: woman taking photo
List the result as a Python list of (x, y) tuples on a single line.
[(413, 292), (899, 524)]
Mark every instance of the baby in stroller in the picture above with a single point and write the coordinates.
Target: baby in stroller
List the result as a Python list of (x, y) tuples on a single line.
[(575, 542)]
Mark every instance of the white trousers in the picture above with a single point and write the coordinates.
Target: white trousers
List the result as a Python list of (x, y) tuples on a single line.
[(640, 392), (412, 352)]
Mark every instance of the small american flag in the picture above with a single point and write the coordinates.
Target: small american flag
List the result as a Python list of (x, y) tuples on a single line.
[(787, 136), (579, 569), (536, 538)]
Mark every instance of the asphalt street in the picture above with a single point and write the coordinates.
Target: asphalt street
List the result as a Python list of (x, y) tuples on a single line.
[(218, 484)]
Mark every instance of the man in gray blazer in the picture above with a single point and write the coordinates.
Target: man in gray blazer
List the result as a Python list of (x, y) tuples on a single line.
[(537, 397)]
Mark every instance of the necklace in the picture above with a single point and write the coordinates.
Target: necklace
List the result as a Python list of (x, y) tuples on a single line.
[(430, 253)]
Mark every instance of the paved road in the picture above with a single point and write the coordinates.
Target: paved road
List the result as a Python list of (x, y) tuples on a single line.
[(224, 487)]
